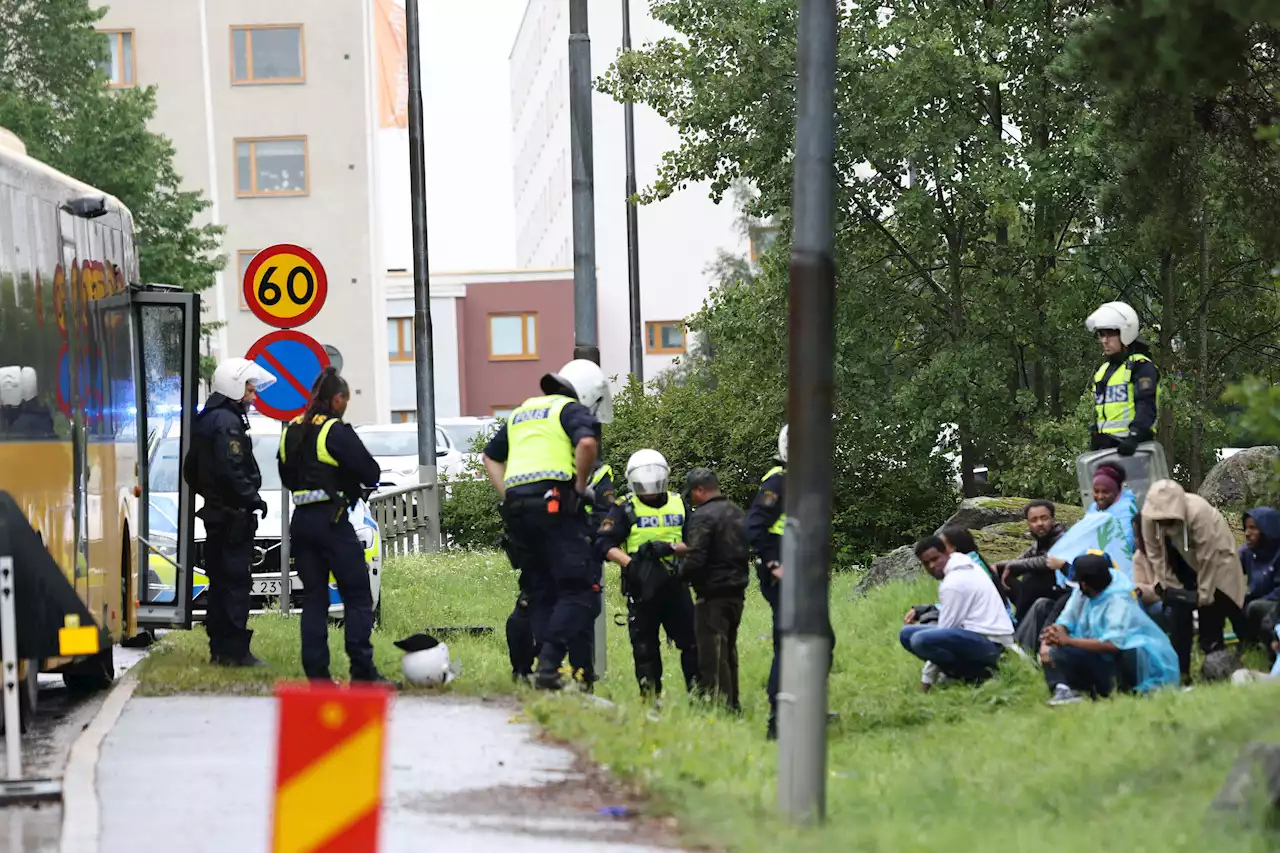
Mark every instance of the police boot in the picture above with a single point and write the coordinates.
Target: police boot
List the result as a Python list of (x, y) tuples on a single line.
[(548, 680), (374, 677), (245, 661)]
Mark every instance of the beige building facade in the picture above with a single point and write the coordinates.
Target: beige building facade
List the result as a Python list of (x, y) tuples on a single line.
[(271, 109)]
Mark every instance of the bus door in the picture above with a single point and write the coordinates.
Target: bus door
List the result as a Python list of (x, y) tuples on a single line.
[(166, 327)]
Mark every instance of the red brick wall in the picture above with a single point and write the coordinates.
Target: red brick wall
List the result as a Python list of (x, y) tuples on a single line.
[(485, 383)]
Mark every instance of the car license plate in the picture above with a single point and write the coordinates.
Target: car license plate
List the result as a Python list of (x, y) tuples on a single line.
[(265, 587)]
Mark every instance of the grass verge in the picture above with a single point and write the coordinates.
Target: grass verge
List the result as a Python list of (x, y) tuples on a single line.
[(990, 769)]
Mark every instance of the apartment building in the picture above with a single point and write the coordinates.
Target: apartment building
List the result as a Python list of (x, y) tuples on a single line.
[(272, 110), (678, 237), (495, 334)]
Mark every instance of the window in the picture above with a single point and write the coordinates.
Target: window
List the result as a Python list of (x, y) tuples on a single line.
[(407, 417), (664, 337), (272, 54), (400, 338), (244, 256), (267, 167), (121, 67), (513, 337)]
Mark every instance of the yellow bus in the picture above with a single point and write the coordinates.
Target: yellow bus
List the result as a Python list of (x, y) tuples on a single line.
[(88, 357)]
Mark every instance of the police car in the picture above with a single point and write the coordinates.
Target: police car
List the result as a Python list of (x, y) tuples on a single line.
[(164, 479)]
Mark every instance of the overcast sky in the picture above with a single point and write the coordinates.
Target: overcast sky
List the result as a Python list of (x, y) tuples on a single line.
[(467, 114)]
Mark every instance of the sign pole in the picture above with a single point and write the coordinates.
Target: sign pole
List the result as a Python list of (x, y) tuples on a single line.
[(286, 505), (423, 354), (806, 541)]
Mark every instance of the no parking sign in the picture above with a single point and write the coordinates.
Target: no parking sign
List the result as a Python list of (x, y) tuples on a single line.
[(296, 361)]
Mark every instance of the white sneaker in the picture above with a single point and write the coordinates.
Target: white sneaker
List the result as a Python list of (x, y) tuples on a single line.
[(1064, 695)]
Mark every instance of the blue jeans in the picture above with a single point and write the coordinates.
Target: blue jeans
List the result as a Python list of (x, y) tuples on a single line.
[(1092, 673), (961, 654)]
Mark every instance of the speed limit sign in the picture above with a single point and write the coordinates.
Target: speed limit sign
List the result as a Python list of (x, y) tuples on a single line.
[(285, 286)]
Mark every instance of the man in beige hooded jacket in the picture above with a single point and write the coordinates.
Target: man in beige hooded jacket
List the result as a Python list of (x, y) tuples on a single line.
[(1189, 557)]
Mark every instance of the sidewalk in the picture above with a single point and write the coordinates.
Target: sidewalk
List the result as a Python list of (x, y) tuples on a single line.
[(198, 771)]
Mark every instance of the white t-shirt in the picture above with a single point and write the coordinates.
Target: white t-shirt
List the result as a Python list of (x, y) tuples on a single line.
[(968, 599)]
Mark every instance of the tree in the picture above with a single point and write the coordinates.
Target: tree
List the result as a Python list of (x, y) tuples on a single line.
[(54, 96)]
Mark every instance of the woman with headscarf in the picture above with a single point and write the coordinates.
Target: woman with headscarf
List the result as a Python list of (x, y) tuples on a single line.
[(1260, 559), (1110, 496)]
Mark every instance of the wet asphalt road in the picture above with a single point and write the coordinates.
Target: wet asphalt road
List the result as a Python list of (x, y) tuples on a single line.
[(60, 718)]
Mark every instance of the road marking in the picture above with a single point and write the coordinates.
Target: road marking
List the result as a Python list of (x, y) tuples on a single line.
[(80, 809)]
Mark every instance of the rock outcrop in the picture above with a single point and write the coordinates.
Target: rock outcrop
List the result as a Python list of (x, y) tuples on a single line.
[(1243, 479)]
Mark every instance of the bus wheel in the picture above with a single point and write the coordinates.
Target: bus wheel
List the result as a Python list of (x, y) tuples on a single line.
[(96, 673)]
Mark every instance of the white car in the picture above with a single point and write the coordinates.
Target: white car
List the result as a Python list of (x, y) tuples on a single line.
[(395, 447), (164, 478), (463, 432)]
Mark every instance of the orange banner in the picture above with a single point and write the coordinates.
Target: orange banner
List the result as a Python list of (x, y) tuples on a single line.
[(329, 768), (393, 64)]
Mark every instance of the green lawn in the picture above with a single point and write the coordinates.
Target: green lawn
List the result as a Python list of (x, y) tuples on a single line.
[(960, 769)]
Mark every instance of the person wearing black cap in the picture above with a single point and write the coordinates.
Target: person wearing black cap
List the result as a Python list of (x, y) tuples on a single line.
[(1104, 640), (717, 565)]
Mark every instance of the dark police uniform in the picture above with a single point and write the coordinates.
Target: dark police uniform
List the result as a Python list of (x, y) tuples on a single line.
[(1126, 393), (522, 648), (632, 525), (221, 469), (325, 464), (546, 526), (765, 523)]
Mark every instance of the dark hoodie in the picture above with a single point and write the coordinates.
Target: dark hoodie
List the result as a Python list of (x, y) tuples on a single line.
[(1260, 564)]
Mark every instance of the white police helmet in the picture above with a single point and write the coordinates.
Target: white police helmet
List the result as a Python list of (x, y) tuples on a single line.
[(10, 386), (782, 442), (1118, 316), (426, 661), (648, 472), (30, 384), (589, 385), (232, 374)]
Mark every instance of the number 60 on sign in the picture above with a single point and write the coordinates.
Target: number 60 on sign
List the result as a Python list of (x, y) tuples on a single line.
[(285, 286)]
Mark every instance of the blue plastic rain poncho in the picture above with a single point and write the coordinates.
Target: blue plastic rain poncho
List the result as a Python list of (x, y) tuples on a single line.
[(1116, 617), (1124, 509), (1099, 531)]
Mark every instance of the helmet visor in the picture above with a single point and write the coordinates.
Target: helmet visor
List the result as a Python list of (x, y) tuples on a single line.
[(648, 479), (261, 378)]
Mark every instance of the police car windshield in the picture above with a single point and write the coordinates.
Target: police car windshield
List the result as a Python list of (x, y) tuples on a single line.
[(166, 467), (399, 442)]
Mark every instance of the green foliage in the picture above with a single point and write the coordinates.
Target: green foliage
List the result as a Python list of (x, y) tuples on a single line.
[(469, 514), (55, 98)]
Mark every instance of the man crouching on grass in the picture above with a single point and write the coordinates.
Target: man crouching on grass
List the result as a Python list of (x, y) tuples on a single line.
[(973, 626)]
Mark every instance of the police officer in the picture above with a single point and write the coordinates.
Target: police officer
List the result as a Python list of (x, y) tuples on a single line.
[(325, 464), (642, 534), (764, 526), (1126, 388), (521, 646), (221, 469), (541, 461)]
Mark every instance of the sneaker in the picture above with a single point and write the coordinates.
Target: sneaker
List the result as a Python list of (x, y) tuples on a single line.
[(1064, 695)]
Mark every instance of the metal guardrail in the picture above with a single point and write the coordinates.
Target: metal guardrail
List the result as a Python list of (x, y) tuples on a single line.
[(408, 520)]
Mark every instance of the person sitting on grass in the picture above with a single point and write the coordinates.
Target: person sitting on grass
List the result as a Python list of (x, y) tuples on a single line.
[(959, 540), (973, 626), (1029, 578), (1260, 559), (1104, 640), (1111, 496)]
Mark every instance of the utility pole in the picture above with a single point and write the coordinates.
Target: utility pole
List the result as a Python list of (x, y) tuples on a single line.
[(806, 549), (423, 355), (633, 215), (585, 332)]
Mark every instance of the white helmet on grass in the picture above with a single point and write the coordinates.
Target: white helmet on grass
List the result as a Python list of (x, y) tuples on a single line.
[(1118, 316), (648, 472), (231, 376), (426, 661), (589, 385)]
